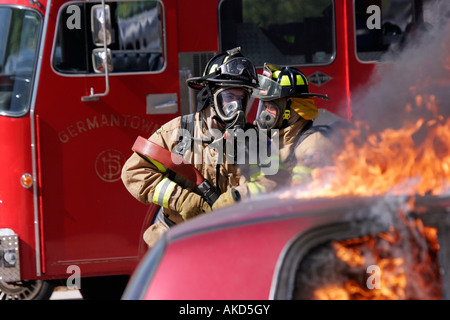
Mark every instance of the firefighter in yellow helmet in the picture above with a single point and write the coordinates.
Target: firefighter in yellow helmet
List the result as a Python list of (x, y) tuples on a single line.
[(287, 105), (286, 110)]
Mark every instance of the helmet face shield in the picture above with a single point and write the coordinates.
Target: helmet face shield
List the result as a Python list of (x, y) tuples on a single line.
[(280, 82), (227, 71), (237, 66), (267, 89)]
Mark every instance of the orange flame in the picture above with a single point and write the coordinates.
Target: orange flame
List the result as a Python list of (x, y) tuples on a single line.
[(413, 160), (395, 280)]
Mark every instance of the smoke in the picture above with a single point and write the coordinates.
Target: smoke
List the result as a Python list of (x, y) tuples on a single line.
[(410, 91), (415, 69)]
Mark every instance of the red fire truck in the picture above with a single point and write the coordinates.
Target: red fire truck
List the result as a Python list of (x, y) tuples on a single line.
[(81, 80)]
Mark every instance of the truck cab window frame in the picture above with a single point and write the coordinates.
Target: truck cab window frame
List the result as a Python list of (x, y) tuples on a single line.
[(137, 41), (290, 32), (396, 22), (19, 47)]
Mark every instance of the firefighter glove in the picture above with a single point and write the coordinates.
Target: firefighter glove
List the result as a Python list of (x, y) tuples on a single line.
[(227, 198), (190, 204)]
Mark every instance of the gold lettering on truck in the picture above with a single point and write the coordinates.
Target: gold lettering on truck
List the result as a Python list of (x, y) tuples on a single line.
[(106, 121)]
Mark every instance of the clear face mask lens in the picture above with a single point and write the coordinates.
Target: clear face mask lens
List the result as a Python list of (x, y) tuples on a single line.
[(232, 100), (272, 108)]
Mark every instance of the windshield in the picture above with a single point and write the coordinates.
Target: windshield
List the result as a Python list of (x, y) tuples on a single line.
[(19, 31)]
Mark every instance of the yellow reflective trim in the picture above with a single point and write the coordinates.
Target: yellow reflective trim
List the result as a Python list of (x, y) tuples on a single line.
[(271, 159), (300, 178), (285, 81), (253, 188), (256, 175), (158, 165), (275, 74), (213, 68), (255, 172), (300, 80), (301, 169), (301, 174), (157, 191), (162, 192), (261, 187), (274, 158), (168, 193)]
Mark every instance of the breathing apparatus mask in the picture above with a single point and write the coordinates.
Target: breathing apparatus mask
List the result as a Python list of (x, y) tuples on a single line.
[(230, 104), (272, 113), (232, 83)]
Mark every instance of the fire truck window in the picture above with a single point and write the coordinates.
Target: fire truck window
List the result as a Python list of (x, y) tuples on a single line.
[(19, 39), (383, 30), (136, 44), (289, 32)]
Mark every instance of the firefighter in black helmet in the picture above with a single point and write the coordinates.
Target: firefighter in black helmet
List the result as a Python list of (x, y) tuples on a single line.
[(224, 92), (226, 84)]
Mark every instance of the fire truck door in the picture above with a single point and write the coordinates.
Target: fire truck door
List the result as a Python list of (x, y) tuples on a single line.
[(89, 218)]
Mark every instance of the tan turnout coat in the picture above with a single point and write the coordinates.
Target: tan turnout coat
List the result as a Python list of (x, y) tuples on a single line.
[(141, 177)]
